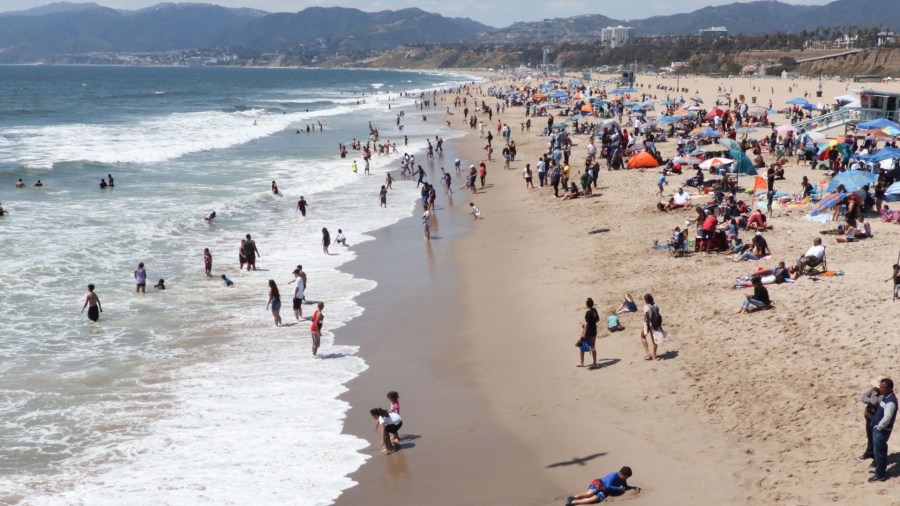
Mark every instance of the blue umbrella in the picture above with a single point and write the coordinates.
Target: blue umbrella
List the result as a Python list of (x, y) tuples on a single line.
[(893, 191), (798, 101), (707, 133), (667, 102), (742, 131), (827, 203), (884, 154), (665, 120), (557, 94), (808, 106), (852, 179), (877, 124)]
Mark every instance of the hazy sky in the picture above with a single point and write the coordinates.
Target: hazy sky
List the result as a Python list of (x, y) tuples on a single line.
[(492, 12)]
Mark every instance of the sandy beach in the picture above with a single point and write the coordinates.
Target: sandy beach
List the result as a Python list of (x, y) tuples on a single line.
[(760, 408)]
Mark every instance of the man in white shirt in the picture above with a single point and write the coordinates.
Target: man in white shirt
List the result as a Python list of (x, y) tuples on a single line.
[(299, 287), (682, 199), (813, 256)]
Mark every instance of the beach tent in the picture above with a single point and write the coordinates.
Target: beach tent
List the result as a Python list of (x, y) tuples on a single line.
[(852, 179), (742, 164), (892, 194), (885, 154), (642, 160)]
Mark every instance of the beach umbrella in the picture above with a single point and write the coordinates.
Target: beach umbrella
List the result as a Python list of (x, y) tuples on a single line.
[(617, 92), (879, 123), (697, 99), (697, 152), (852, 179), (715, 162), (707, 134), (714, 113), (628, 90), (610, 123), (831, 145), (577, 116), (665, 120), (757, 110), (714, 148), (539, 96), (557, 94), (694, 108), (827, 203), (893, 131), (893, 189), (731, 143), (744, 131), (559, 126), (642, 160), (885, 154), (798, 101), (686, 160), (809, 107), (667, 102), (587, 108)]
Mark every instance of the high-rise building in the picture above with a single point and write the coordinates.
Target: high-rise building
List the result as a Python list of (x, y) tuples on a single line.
[(615, 36), (709, 35)]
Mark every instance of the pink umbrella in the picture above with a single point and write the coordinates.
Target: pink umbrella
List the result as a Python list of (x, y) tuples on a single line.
[(785, 128)]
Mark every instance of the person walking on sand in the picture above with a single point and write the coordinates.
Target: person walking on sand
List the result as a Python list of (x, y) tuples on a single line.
[(207, 262), (389, 423), (482, 173), (250, 252), (316, 328), (882, 424), (588, 341), (301, 206), (140, 278), (652, 328), (527, 175), (895, 277), (275, 302), (92, 302)]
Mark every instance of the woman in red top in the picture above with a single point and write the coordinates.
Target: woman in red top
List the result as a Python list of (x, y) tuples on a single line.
[(316, 328)]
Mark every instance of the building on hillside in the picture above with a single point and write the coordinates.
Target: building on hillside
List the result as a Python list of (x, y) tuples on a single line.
[(616, 36), (712, 34), (887, 38)]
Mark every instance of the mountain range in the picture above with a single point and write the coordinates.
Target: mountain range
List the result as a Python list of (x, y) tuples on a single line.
[(76, 28)]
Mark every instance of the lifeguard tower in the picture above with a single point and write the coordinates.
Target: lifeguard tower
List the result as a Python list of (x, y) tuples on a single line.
[(878, 104)]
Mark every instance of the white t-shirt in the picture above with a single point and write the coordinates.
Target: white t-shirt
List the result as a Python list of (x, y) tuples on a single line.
[(390, 419), (298, 289), (682, 198), (341, 237), (816, 251)]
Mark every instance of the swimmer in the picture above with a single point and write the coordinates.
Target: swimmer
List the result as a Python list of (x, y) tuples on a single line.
[(2, 211), (92, 302), (111, 182), (274, 188), (20, 183), (227, 282), (103, 184), (160, 285), (209, 217), (39, 183), (301, 206)]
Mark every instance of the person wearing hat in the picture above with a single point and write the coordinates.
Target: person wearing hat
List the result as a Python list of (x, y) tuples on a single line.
[(882, 424), (871, 398)]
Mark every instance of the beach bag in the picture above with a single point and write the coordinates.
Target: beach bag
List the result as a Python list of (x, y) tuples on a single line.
[(583, 345), (655, 318)]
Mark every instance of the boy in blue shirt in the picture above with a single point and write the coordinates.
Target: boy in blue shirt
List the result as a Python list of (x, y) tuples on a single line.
[(614, 483)]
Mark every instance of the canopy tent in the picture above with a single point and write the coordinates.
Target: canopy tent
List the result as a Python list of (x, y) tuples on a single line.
[(642, 160), (892, 194), (798, 101)]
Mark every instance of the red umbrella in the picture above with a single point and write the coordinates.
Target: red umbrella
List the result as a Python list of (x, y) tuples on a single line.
[(715, 112)]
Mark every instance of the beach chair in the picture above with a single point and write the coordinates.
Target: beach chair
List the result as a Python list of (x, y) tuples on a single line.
[(678, 248), (820, 268), (818, 192)]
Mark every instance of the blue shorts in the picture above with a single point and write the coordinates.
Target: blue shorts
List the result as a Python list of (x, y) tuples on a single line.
[(596, 490), (276, 305)]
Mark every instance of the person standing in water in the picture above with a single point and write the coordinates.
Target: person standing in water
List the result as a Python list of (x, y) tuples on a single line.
[(388, 181), (301, 206), (92, 302), (299, 287), (140, 278), (275, 302), (112, 183), (426, 221), (316, 328), (207, 262), (326, 240), (382, 195), (250, 252)]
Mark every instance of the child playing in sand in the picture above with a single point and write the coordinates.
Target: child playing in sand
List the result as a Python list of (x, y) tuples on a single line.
[(612, 323), (476, 213), (390, 423), (896, 277), (628, 306), (614, 483)]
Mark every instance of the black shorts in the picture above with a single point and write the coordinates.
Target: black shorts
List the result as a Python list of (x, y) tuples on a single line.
[(298, 303), (706, 234), (392, 429)]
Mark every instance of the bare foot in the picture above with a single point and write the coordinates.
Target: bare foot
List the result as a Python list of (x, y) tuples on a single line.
[(579, 365)]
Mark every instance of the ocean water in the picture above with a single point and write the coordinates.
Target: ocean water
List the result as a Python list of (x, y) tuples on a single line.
[(188, 395)]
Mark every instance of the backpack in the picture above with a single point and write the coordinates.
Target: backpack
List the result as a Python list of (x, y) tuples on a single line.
[(655, 318)]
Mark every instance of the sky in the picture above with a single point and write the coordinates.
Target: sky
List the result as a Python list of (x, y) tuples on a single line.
[(498, 13)]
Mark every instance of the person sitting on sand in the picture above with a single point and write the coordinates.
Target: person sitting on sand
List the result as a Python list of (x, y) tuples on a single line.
[(628, 305), (613, 324), (759, 299), (813, 256), (572, 193), (679, 200), (476, 212), (758, 249), (614, 483), (853, 232)]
